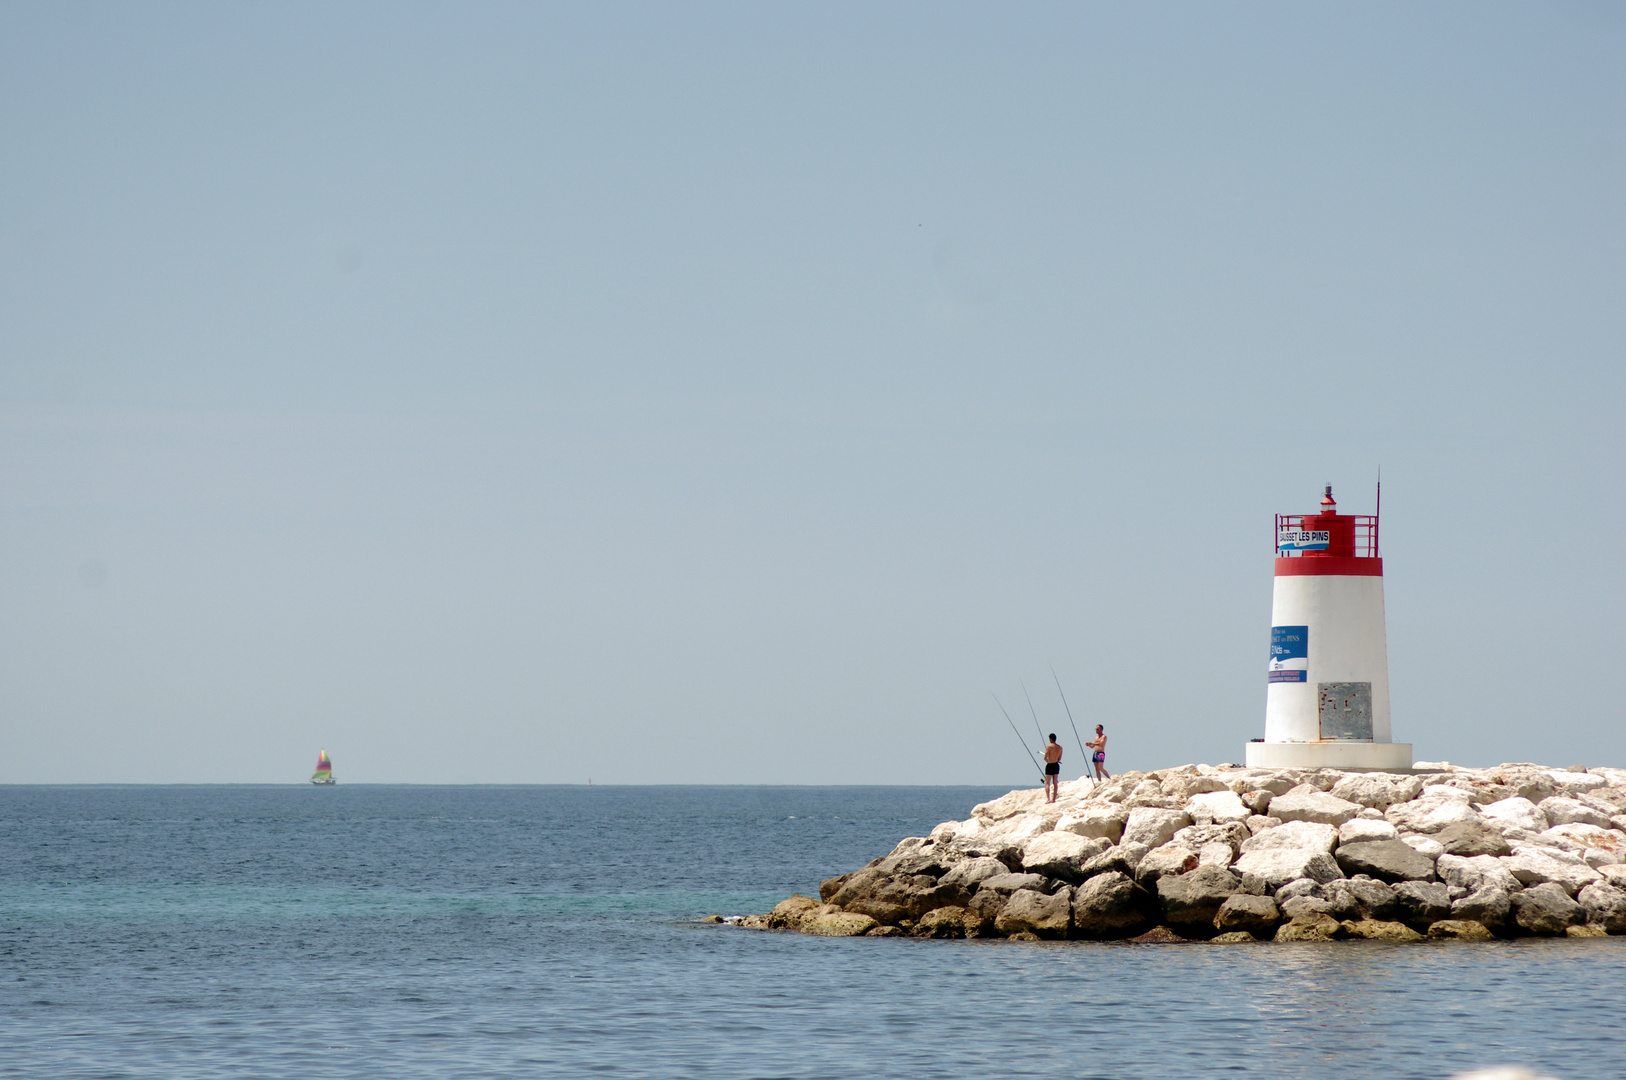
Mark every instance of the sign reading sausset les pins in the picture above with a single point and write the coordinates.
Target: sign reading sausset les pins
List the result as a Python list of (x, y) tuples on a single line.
[(1303, 539)]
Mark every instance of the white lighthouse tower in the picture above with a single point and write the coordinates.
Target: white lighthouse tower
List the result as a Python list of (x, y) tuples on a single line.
[(1327, 698)]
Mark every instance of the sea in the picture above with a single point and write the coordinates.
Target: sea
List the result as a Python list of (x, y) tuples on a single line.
[(412, 931)]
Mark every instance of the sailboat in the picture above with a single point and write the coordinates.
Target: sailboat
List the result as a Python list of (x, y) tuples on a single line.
[(324, 769)]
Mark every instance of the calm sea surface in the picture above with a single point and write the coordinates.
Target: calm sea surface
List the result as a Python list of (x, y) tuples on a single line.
[(376, 931)]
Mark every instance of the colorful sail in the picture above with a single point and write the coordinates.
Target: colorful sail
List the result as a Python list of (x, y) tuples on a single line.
[(324, 769)]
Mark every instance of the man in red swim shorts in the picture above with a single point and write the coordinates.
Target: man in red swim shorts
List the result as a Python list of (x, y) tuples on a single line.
[(1099, 745)]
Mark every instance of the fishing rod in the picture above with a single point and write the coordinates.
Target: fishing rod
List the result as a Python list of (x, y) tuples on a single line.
[(1018, 734), (1068, 707), (1035, 713), (1036, 726)]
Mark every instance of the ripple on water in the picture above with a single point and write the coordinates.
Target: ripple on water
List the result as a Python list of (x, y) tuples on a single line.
[(538, 932)]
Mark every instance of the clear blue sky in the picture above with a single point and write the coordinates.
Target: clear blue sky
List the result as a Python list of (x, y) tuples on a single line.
[(707, 393)]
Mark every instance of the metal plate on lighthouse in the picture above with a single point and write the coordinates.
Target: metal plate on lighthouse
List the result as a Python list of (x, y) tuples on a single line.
[(1346, 710)]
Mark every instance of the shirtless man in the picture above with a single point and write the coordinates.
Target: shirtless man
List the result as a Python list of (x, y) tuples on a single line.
[(1052, 770), (1099, 745)]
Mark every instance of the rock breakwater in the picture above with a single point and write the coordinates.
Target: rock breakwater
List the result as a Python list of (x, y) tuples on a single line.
[(1231, 854)]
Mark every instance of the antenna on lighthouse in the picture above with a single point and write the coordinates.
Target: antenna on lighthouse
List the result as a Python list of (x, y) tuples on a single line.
[(1377, 514)]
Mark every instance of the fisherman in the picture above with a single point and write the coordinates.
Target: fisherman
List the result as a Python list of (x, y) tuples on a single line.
[(1052, 770), (1099, 758)]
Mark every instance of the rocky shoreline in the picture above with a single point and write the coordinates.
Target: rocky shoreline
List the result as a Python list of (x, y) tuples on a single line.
[(1233, 854)]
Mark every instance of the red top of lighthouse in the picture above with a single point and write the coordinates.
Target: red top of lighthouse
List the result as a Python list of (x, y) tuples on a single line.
[(1328, 542)]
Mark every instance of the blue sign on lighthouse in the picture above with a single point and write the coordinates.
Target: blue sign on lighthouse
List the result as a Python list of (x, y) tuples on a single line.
[(1289, 653)]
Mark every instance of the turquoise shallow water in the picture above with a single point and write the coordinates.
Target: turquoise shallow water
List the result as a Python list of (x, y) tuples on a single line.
[(536, 931)]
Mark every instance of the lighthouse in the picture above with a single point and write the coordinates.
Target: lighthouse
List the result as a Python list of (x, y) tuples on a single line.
[(1327, 689)]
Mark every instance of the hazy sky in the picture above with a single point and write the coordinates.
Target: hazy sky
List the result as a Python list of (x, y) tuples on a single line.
[(723, 394)]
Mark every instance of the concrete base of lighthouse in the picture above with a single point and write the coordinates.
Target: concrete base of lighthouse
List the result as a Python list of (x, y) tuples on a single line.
[(1330, 754)]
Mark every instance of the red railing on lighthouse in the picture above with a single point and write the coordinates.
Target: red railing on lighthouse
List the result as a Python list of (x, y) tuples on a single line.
[(1349, 534)]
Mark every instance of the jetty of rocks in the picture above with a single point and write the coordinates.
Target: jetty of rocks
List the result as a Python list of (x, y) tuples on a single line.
[(1230, 854)]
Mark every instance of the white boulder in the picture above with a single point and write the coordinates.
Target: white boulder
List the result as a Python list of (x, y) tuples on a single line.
[(1516, 813), (1377, 790), (1264, 872), (1605, 906), (1574, 783), (1258, 823), (981, 837), (1475, 872), (1579, 837), (1425, 845), (1308, 835), (1437, 808), (973, 872), (1184, 786), (1196, 837), (1060, 854), (1562, 811), (1161, 862), (1010, 804), (1153, 826), (1216, 806), (1095, 818), (1017, 831), (1535, 865), (1309, 803), (1363, 830)]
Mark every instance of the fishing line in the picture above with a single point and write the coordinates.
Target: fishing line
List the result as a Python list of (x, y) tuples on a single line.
[(1036, 726), (1068, 707), (1018, 734)]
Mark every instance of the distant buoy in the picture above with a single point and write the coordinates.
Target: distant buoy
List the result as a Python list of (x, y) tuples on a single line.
[(1327, 690)]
